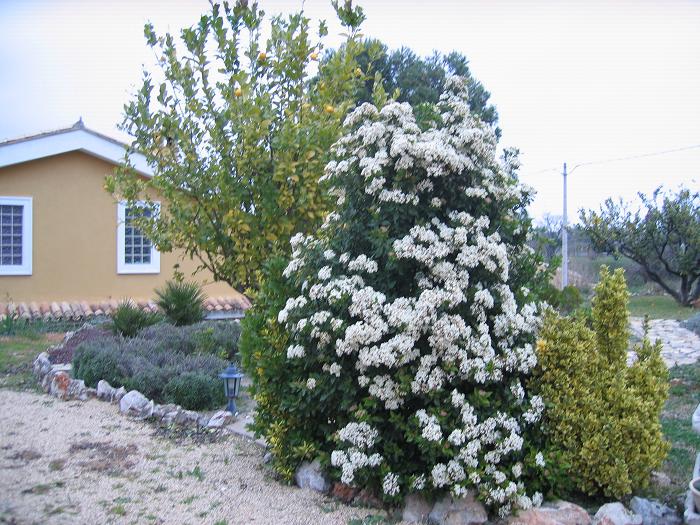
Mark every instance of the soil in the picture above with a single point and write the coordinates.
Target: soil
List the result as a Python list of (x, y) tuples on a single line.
[(64, 353), (83, 462)]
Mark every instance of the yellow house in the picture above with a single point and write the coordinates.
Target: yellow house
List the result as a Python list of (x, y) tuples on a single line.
[(67, 249)]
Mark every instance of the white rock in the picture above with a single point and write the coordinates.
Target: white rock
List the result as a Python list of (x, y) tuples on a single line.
[(616, 514), (58, 383), (105, 390), (696, 420), (466, 510), (118, 394), (654, 513), (220, 419), (42, 365), (134, 403), (416, 509), (77, 390), (311, 476), (186, 417), (552, 513), (169, 414)]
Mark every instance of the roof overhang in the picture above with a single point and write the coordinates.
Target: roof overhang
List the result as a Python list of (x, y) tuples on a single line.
[(71, 139)]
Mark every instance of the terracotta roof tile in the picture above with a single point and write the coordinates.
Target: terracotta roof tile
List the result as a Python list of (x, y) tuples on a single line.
[(76, 310)]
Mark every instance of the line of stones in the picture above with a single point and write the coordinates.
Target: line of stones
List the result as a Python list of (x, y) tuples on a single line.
[(56, 380)]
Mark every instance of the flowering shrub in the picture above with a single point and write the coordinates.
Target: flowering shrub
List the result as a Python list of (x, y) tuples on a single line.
[(603, 422), (400, 353)]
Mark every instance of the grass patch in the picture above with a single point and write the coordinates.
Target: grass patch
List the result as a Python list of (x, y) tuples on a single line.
[(118, 510), (57, 464), (17, 353), (658, 307), (683, 398), (196, 473)]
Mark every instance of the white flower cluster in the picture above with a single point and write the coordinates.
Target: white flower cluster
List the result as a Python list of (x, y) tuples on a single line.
[(458, 325), (429, 424), (361, 438)]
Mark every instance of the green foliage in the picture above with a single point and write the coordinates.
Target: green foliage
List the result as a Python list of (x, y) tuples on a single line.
[(128, 319), (237, 135), (7, 326), (417, 80), (93, 362), (602, 420), (610, 315), (158, 356), (658, 307), (218, 338), (195, 391), (564, 301), (263, 347), (182, 303), (663, 237)]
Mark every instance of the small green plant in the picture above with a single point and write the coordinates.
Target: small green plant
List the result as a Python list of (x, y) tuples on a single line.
[(196, 473), (92, 363), (602, 424), (128, 319), (118, 510), (195, 391), (181, 302), (7, 327)]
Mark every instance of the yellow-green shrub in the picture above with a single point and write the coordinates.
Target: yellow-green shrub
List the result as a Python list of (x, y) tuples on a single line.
[(602, 416)]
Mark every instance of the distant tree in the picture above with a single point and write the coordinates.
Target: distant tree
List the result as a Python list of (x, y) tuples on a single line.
[(663, 237), (546, 237), (407, 77), (238, 136)]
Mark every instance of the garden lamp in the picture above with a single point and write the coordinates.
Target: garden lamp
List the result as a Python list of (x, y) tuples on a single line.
[(232, 384)]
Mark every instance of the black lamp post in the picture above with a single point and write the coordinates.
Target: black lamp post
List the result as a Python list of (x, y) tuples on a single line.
[(232, 385)]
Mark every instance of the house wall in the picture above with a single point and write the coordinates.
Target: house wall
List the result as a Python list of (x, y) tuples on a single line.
[(75, 236)]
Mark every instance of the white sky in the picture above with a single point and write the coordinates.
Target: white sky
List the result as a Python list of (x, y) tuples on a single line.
[(573, 81)]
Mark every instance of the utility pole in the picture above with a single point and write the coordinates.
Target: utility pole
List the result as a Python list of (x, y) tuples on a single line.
[(564, 241)]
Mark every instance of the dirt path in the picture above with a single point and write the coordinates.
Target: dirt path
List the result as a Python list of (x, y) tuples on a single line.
[(82, 462)]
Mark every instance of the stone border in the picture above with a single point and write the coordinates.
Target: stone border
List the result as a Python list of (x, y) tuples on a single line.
[(56, 381)]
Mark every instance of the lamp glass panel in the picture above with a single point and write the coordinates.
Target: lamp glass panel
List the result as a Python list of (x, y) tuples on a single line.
[(232, 390)]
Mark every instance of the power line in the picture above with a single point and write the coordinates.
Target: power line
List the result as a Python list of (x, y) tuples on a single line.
[(620, 159), (632, 157)]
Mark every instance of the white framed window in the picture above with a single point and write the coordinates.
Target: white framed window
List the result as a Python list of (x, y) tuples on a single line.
[(135, 252), (15, 235)]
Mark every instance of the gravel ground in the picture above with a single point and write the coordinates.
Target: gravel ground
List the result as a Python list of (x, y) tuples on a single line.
[(82, 462)]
